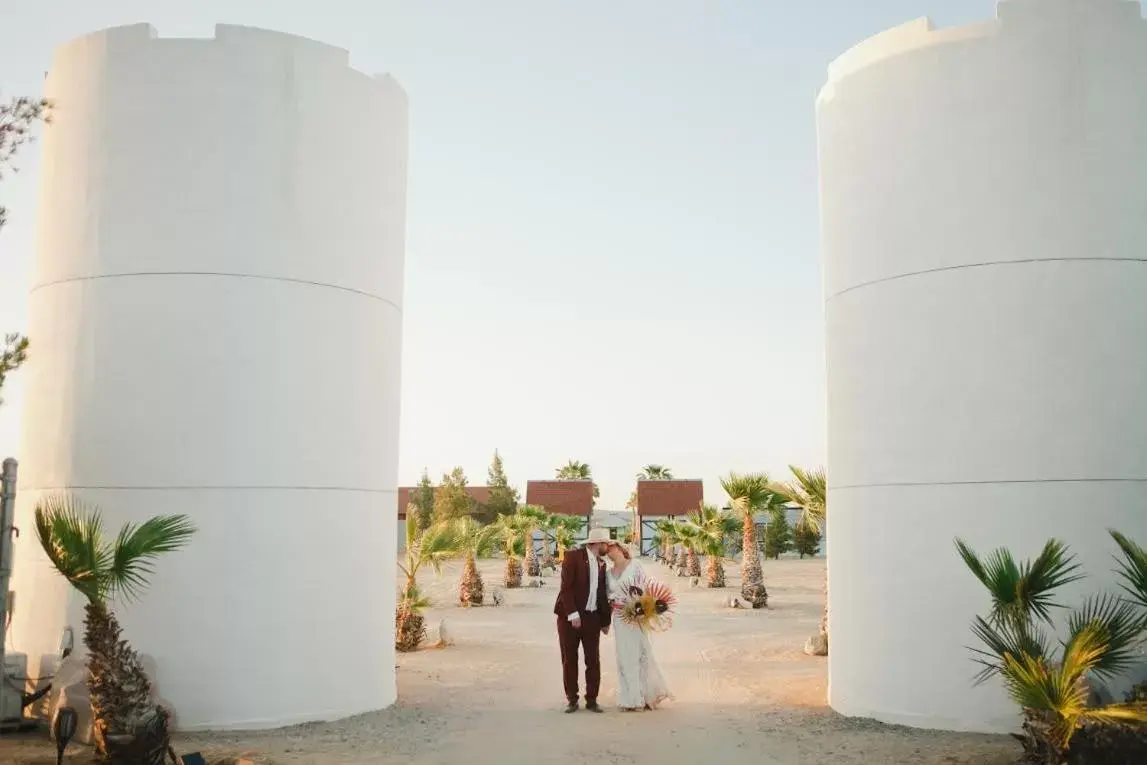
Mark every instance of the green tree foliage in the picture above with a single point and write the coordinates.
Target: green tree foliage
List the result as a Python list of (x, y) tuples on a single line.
[(451, 499), (423, 499), (1051, 682), (778, 533), (503, 497), (806, 539), (18, 117)]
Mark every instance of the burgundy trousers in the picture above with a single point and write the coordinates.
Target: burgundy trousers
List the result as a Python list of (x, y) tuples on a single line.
[(589, 638)]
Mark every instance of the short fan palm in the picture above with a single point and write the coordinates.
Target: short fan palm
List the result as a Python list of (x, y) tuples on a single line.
[(532, 518), (102, 569), (513, 530), (713, 528), (1053, 686), (433, 546), (474, 541)]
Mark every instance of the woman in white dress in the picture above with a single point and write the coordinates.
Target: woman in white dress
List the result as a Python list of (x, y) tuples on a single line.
[(640, 684)]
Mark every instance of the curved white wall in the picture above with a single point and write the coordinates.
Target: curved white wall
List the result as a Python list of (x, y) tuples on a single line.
[(216, 329), (984, 203)]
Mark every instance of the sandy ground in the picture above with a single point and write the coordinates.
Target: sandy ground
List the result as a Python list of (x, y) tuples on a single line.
[(745, 693)]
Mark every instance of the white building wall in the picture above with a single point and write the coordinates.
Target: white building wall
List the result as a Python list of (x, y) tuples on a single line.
[(984, 202), (216, 321)]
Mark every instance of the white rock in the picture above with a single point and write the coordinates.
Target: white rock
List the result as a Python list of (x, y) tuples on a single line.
[(817, 645)]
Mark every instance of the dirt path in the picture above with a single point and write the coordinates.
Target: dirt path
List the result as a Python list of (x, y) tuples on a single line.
[(744, 694)]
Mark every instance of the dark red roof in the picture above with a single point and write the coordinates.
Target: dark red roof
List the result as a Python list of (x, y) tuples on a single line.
[(662, 498), (562, 497), (480, 494)]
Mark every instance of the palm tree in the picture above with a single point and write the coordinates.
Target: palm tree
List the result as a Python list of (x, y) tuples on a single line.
[(548, 527), (474, 541), (678, 554), (577, 471), (513, 530), (566, 529), (1053, 690), (713, 529), (750, 494), (435, 545), (102, 569), (690, 538), (655, 473), (809, 491), (533, 518), (665, 539)]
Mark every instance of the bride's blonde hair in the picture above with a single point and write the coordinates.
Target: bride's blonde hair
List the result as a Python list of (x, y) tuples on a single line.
[(624, 550)]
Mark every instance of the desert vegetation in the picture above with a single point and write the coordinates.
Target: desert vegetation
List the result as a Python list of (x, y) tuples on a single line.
[(126, 725), (1068, 717)]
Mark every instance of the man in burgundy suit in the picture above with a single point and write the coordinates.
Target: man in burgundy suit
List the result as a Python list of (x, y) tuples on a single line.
[(582, 611)]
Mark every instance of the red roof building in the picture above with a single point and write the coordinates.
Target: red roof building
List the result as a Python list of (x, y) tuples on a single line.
[(666, 499), (559, 497)]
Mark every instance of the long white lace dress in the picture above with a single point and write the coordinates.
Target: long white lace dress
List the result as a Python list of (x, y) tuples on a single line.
[(639, 679)]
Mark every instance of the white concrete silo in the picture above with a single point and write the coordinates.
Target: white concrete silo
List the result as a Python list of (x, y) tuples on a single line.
[(984, 203), (216, 326)]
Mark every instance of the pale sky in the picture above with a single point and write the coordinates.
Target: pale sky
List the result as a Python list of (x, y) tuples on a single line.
[(651, 162)]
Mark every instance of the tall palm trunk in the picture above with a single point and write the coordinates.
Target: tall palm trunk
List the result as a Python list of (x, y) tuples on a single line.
[(547, 554), (533, 564), (471, 591), (694, 563), (410, 627), (513, 575), (119, 690), (752, 578), (715, 572), (682, 562)]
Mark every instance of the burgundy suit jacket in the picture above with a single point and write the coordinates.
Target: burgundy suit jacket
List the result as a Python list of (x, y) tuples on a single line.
[(574, 592)]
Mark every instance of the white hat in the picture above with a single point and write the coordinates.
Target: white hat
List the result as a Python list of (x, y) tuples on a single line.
[(597, 535)]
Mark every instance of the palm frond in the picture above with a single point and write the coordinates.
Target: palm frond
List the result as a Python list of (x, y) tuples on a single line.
[(749, 493), (1020, 591), (437, 544), (1036, 684), (136, 548), (71, 534), (1002, 639), (411, 527), (1132, 568), (1053, 568), (809, 492), (1128, 712), (1117, 626), (474, 538)]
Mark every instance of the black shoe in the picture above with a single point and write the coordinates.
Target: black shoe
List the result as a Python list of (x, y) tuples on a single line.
[(593, 707), (571, 707)]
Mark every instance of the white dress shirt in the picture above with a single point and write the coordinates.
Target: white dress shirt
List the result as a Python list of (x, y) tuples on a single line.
[(591, 606)]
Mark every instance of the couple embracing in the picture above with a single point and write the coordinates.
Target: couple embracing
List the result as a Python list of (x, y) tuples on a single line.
[(595, 579)]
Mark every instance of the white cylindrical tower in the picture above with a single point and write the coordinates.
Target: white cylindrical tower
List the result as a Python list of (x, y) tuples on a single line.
[(984, 202), (216, 328)]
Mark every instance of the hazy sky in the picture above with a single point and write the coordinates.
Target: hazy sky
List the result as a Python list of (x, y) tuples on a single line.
[(613, 228)]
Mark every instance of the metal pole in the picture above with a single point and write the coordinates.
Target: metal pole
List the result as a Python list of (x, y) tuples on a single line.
[(7, 513)]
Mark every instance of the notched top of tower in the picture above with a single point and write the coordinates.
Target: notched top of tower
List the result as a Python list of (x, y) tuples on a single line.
[(1010, 14), (324, 54)]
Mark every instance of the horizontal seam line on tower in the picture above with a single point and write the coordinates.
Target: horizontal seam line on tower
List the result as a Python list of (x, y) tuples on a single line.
[(264, 277), (987, 482), (942, 269), (209, 488)]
